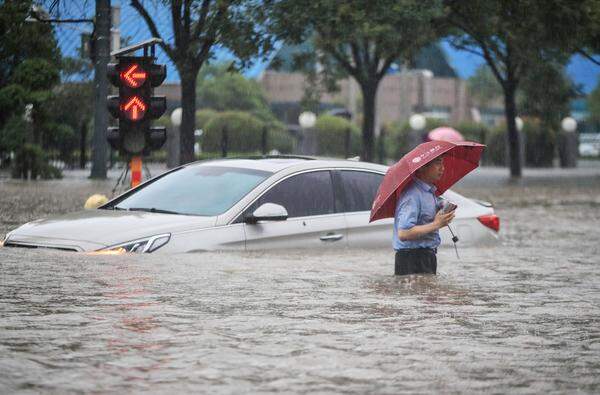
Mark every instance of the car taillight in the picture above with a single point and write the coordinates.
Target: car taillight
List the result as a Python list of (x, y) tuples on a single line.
[(492, 221)]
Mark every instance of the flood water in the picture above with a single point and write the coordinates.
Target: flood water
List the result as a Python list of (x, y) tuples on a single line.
[(522, 316)]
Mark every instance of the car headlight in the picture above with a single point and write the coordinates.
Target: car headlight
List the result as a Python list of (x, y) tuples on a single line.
[(147, 244), (5, 239)]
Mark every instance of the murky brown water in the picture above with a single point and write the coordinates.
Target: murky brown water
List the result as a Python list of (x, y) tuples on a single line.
[(523, 316)]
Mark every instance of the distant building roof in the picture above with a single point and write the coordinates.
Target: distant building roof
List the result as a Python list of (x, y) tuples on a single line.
[(434, 58), (293, 58)]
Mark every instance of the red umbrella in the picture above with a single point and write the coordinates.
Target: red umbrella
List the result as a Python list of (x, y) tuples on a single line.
[(460, 158)]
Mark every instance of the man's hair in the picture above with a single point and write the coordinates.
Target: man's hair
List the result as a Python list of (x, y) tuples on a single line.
[(441, 157)]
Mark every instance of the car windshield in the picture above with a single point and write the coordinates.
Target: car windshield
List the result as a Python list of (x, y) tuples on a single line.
[(195, 190)]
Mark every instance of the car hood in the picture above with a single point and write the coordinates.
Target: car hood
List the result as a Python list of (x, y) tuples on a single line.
[(94, 229)]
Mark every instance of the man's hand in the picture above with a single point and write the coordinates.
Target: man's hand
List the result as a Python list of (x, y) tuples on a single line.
[(418, 231), (442, 219)]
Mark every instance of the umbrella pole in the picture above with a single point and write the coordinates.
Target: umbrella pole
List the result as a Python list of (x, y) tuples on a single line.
[(454, 240)]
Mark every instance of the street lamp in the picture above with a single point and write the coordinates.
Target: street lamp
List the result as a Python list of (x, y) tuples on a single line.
[(417, 123), (519, 124), (568, 148), (173, 139), (520, 138), (307, 121), (568, 124), (176, 117)]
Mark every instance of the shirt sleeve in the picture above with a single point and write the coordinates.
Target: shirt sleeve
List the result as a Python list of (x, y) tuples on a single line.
[(407, 213)]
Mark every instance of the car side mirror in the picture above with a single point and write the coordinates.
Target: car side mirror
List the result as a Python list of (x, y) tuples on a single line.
[(267, 212)]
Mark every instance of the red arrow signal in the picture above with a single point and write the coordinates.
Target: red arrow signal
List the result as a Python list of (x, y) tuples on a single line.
[(134, 76), (134, 109)]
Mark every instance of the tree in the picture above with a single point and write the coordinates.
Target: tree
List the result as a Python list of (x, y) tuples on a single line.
[(483, 87), (363, 38), (545, 94), (20, 42), (198, 27), (222, 89), (593, 103), (513, 36), (28, 72)]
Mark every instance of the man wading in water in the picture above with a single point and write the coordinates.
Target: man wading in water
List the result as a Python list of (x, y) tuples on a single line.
[(417, 221)]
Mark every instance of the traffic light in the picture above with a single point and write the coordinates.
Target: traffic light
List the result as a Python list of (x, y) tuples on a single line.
[(135, 107)]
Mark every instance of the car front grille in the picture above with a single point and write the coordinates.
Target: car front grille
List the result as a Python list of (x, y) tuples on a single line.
[(21, 245)]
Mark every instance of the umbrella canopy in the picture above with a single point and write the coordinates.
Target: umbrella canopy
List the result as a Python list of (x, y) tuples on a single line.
[(445, 133), (460, 158)]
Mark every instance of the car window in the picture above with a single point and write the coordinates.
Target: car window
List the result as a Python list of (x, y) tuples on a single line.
[(302, 195), (359, 189), (196, 190)]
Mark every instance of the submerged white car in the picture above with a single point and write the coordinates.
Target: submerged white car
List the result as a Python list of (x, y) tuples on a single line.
[(245, 204)]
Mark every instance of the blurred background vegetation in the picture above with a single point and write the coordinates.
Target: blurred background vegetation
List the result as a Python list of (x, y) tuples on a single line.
[(46, 98)]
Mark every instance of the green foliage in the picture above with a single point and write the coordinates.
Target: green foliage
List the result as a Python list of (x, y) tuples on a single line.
[(540, 143), (65, 129), (231, 91), (36, 74), (31, 161), (484, 87), (517, 39), (193, 35), (593, 104), (279, 138), (22, 40), (221, 89), (30, 65), (546, 93), (12, 135), (63, 138), (12, 101), (361, 38), (331, 136), (244, 134), (203, 116), (495, 150), (28, 72), (472, 131), (396, 140)]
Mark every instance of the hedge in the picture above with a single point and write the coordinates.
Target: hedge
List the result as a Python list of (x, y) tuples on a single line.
[(244, 134), (331, 136)]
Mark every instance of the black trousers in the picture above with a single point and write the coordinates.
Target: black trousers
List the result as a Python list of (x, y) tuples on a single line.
[(414, 261)]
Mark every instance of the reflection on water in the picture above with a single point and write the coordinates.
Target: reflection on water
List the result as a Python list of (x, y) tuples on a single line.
[(522, 316)]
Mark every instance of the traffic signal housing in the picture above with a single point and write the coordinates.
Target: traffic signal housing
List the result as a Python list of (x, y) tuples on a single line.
[(136, 106)]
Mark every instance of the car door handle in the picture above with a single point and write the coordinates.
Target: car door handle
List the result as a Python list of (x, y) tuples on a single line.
[(331, 237)]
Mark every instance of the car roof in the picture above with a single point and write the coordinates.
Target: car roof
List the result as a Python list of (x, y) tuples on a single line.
[(276, 164)]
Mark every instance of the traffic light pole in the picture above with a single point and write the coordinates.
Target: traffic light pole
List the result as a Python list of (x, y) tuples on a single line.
[(102, 48), (135, 165), (136, 106)]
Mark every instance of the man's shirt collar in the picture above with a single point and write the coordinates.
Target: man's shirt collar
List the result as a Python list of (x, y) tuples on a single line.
[(426, 187)]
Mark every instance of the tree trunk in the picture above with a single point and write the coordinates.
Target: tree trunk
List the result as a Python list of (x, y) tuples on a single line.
[(188, 117), (82, 144), (102, 57), (514, 139), (369, 92)]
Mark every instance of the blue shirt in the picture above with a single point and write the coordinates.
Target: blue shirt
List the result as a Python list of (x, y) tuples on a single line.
[(417, 206)]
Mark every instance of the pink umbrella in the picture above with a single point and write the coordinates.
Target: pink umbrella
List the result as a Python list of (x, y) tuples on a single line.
[(445, 133)]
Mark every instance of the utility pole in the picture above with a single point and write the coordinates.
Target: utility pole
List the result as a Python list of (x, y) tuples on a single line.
[(102, 57)]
